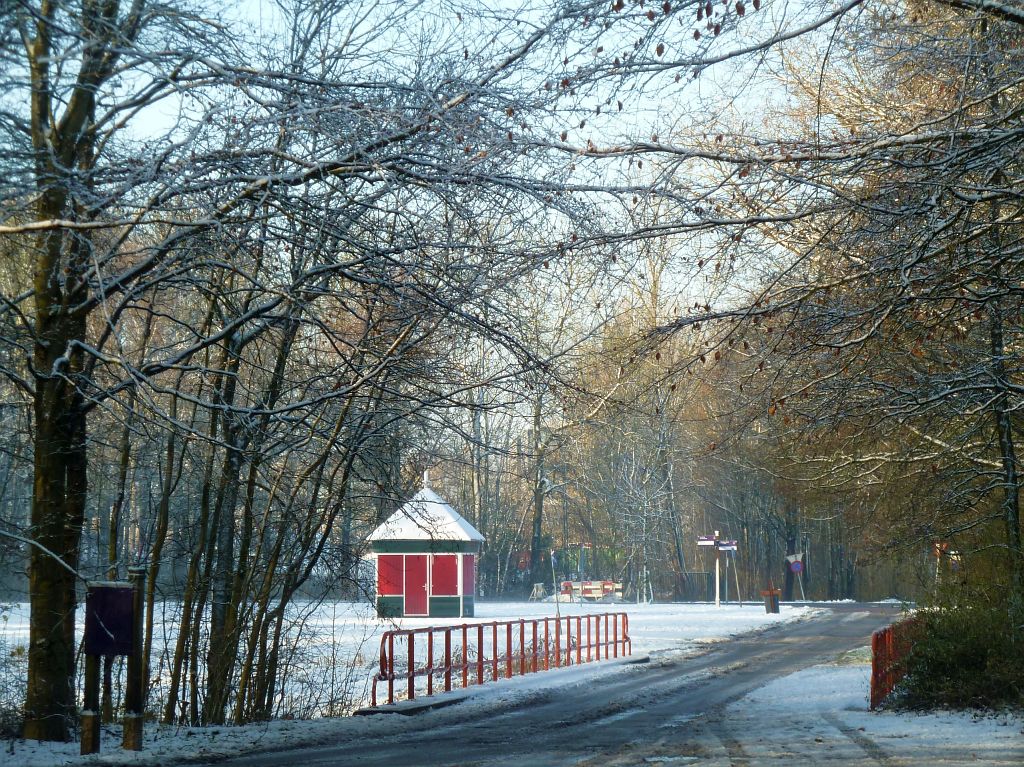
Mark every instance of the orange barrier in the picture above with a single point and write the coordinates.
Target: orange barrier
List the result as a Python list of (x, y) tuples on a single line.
[(889, 649), (471, 654)]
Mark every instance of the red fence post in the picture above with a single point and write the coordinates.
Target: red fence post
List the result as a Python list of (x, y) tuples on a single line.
[(391, 658), (547, 644), (568, 641), (494, 648), (558, 642), (411, 671), (447, 660), (430, 662), (579, 640), (876, 649), (522, 647), (480, 653), (508, 650), (382, 672), (465, 658), (533, 664)]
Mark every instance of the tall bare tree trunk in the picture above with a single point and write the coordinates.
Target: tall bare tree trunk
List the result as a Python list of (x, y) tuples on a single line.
[(60, 481), (1008, 457), (58, 512), (538, 568)]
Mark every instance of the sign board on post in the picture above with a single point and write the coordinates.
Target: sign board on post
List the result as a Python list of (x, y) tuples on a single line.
[(707, 540), (797, 566), (113, 626), (109, 618)]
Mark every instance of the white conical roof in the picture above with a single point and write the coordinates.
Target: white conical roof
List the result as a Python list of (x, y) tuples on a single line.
[(426, 517)]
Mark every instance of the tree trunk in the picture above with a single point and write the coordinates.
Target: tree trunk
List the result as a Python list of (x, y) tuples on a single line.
[(537, 563), (58, 512), (791, 538), (1008, 456)]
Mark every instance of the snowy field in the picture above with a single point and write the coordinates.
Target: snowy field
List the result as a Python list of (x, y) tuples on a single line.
[(819, 713)]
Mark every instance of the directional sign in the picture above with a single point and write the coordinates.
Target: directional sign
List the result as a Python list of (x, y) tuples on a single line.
[(728, 545), (797, 567), (707, 540)]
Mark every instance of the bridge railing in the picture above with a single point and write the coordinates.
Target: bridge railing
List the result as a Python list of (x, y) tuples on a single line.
[(889, 649), (422, 661)]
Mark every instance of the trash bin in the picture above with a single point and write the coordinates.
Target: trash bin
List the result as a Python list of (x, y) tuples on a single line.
[(771, 600)]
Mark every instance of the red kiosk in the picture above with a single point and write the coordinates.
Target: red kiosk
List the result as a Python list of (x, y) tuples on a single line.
[(426, 560)]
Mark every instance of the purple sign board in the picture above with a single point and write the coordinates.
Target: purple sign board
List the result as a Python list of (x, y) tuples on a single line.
[(109, 618)]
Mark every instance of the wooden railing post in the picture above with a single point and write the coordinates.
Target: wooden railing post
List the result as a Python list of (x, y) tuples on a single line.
[(534, 653), (579, 640), (480, 653), (430, 662), (494, 648), (411, 671), (465, 657), (615, 635), (522, 647), (547, 645), (558, 643), (391, 676), (447, 660)]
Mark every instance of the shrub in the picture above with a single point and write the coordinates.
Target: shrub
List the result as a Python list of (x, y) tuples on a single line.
[(13, 672), (968, 656)]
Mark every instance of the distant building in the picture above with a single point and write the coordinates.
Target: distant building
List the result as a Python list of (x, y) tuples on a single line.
[(426, 560)]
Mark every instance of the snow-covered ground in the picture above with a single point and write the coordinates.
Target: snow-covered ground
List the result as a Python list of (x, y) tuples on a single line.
[(335, 645), (820, 713)]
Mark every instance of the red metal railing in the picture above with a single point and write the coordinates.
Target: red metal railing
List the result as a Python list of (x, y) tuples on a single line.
[(889, 649), (445, 657)]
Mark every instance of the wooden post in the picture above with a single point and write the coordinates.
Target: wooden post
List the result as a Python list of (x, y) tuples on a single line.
[(448, 660), (134, 696), (91, 712), (465, 656), (430, 662), (480, 654), (412, 666)]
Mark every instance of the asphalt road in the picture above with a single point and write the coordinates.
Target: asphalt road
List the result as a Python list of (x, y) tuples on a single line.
[(667, 711)]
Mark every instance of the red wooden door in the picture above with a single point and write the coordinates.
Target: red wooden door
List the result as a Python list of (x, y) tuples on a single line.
[(416, 584)]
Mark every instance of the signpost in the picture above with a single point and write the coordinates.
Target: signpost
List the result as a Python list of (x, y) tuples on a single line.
[(113, 626), (796, 566), (720, 546)]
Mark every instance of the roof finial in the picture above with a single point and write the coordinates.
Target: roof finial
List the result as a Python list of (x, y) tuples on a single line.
[(426, 479)]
